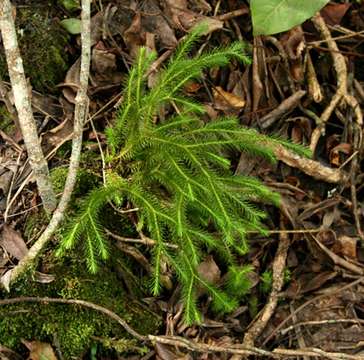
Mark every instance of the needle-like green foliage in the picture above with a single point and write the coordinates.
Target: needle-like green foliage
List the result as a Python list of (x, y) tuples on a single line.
[(177, 174)]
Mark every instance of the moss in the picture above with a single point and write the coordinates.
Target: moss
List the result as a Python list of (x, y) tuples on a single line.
[(42, 43), (6, 120), (73, 326), (85, 180)]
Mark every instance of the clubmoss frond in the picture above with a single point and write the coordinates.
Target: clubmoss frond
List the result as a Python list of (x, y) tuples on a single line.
[(177, 174)]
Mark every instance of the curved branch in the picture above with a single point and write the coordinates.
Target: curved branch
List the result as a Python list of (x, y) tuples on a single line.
[(81, 112)]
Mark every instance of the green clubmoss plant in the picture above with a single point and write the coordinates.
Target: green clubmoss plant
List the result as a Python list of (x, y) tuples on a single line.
[(177, 173)]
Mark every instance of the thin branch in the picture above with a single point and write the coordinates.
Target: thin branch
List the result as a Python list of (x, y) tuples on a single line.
[(24, 108), (342, 84), (81, 112), (278, 278), (310, 167), (239, 350)]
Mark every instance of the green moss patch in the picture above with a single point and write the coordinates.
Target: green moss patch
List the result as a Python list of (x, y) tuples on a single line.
[(42, 43), (72, 326)]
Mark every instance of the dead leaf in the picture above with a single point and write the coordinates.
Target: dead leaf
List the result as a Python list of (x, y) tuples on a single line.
[(209, 271), (348, 246), (225, 100), (96, 27), (72, 82), (164, 352), (185, 19), (192, 87), (335, 158), (103, 64), (5, 280), (57, 136), (307, 283), (134, 36), (12, 242), (154, 22), (293, 42), (43, 278), (333, 13), (39, 350)]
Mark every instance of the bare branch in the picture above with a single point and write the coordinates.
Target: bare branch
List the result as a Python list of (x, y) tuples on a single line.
[(23, 106), (81, 112)]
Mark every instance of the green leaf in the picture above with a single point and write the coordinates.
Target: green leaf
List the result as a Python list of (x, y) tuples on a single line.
[(274, 16), (72, 25), (70, 5)]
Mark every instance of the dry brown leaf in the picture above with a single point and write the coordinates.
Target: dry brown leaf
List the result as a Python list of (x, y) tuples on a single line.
[(96, 27), (348, 246), (12, 242), (335, 158), (39, 350), (185, 19), (103, 64), (72, 81), (209, 271), (57, 136), (225, 100), (134, 36), (294, 44), (164, 352), (333, 13), (154, 22)]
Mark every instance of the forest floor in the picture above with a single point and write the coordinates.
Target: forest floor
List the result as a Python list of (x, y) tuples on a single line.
[(306, 297)]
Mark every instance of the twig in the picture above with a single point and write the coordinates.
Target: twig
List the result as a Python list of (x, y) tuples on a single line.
[(24, 107), (239, 350), (310, 167), (232, 14), (300, 339), (339, 260), (101, 152), (284, 107), (298, 231), (316, 352), (10, 190), (321, 322), (144, 240), (357, 137), (341, 37), (300, 308), (314, 88), (87, 304), (342, 83), (278, 278), (208, 348), (81, 110)]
